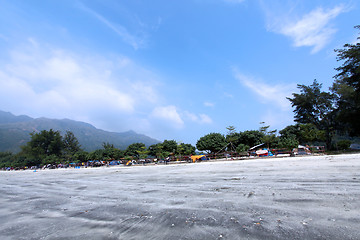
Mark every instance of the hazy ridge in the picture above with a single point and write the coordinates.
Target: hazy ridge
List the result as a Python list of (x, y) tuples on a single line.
[(15, 130)]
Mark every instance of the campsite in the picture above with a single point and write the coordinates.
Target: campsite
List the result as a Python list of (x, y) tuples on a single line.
[(189, 120)]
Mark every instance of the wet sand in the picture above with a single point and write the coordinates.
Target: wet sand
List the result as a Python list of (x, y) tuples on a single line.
[(285, 198)]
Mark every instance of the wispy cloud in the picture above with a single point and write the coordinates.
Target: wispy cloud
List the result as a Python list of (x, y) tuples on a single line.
[(228, 95), (268, 93), (313, 29), (120, 30)]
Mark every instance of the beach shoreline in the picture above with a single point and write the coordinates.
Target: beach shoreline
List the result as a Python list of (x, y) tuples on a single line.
[(310, 197)]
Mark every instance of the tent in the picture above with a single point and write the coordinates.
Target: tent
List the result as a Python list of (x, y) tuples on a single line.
[(301, 150), (198, 157)]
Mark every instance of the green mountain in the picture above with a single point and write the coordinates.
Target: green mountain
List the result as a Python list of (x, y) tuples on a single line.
[(15, 131)]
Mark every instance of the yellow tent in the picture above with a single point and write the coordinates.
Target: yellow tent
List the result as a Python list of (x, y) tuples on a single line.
[(198, 157)]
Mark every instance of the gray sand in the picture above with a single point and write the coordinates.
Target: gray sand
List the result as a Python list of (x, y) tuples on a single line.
[(287, 198)]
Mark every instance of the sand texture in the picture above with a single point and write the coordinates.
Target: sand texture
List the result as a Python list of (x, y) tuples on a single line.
[(314, 197)]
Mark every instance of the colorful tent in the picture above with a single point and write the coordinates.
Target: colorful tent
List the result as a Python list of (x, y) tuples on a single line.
[(198, 157)]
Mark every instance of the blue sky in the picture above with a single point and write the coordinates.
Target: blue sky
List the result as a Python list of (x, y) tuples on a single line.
[(168, 69)]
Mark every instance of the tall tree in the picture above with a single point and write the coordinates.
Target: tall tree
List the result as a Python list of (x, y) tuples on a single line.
[(135, 149), (250, 137), (111, 152), (304, 134), (232, 137), (6, 159), (185, 149), (312, 105), (95, 155), (70, 145), (347, 87), (81, 156), (316, 107), (212, 142), (155, 150), (45, 143), (169, 146), (269, 137)]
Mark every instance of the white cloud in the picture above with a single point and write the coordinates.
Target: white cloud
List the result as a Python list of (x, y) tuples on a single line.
[(56, 83), (311, 30), (193, 117), (274, 93), (198, 118), (112, 93), (146, 91), (168, 113), (209, 104), (205, 119), (174, 117)]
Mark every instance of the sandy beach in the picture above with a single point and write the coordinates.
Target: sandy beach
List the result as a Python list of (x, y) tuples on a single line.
[(312, 197)]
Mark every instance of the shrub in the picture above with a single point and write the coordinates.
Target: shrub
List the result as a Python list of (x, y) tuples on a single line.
[(343, 144)]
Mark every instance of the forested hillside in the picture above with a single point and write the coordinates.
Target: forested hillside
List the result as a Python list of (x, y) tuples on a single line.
[(15, 132)]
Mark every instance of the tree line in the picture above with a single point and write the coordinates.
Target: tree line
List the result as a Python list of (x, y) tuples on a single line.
[(330, 118), (50, 147)]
